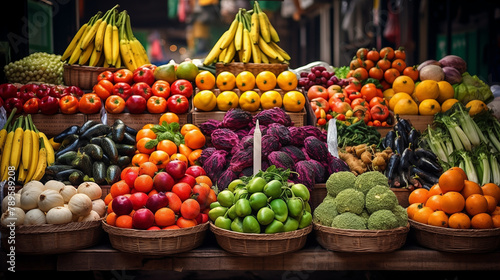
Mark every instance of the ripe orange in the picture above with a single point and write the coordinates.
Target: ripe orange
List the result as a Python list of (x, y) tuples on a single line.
[(482, 220), (422, 214), (169, 117), (149, 168), (496, 221), (452, 202), (496, 211), (438, 219), (194, 139), (451, 180), (491, 189), (265, 80), (245, 80), (459, 220), (164, 217), (435, 190), (167, 146), (139, 158), (413, 208), (179, 156), (464, 175), (204, 179), (184, 149), (470, 188), (145, 132), (287, 80), (194, 156), (419, 195), (119, 188), (492, 203), (475, 204), (124, 221), (434, 202), (108, 198), (225, 81), (188, 127), (141, 146), (159, 158), (205, 80), (143, 183), (111, 219)]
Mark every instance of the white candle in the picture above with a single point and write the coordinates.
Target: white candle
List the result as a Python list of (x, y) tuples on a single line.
[(257, 149)]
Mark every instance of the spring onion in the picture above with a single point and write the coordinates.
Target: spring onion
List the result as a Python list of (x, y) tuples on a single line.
[(469, 168), (495, 169)]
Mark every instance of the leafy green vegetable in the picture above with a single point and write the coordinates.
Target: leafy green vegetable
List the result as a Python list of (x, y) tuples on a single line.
[(472, 88), (166, 131), (341, 72)]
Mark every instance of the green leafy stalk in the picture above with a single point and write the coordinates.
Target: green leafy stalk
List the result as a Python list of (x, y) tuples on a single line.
[(166, 131)]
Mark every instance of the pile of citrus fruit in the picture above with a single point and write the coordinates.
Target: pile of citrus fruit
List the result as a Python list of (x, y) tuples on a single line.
[(247, 91), (456, 202)]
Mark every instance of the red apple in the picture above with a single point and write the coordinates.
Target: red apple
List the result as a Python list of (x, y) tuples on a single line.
[(139, 199), (157, 201), (143, 219), (188, 179), (176, 168), (202, 218), (122, 205), (130, 176), (163, 182), (195, 171)]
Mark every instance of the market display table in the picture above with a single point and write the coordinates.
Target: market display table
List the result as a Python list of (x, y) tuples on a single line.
[(211, 257)]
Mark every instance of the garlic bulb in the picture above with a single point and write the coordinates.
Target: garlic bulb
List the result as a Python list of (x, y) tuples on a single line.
[(80, 204), (29, 198), (59, 215), (91, 189), (49, 199), (92, 216), (14, 215), (67, 192), (99, 206), (35, 217), (14, 200), (54, 185), (33, 184)]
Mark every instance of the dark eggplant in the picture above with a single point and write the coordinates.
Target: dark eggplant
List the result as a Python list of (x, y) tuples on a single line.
[(99, 172), (109, 148), (126, 150), (421, 152), (84, 163), (113, 174), (68, 131), (96, 130), (128, 139), (393, 166), (399, 144), (130, 130), (96, 140), (401, 132), (72, 147), (429, 165), (93, 150), (427, 177), (389, 139), (404, 124), (64, 175), (56, 168), (76, 178), (413, 138), (68, 140), (88, 124), (405, 179), (396, 182), (118, 131), (66, 158), (406, 160)]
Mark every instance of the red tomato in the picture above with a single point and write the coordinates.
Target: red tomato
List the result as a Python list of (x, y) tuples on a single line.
[(90, 103), (123, 76), (319, 102), (341, 107), (333, 89), (201, 192), (143, 74), (317, 91), (161, 88), (174, 201), (369, 91), (190, 209), (103, 89), (182, 87), (68, 104), (114, 104), (123, 90), (106, 75), (360, 101), (142, 89), (379, 112), (156, 105), (136, 104), (377, 100), (178, 104)]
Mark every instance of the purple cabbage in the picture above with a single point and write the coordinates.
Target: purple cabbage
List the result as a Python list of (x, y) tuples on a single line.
[(236, 118), (305, 174), (224, 139), (281, 132), (274, 115), (241, 160), (320, 175), (336, 164), (294, 152), (281, 160), (206, 153), (269, 143), (215, 164), (310, 130), (209, 126), (225, 178), (316, 149), (297, 136)]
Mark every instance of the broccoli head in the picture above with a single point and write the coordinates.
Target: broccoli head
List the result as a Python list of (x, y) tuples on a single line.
[(367, 180), (401, 215), (325, 212), (350, 200), (340, 181), (349, 220), (380, 197), (365, 215), (328, 197), (382, 220)]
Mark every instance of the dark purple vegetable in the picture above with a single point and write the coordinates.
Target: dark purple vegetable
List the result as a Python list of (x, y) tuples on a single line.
[(428, 62), (316, 149), (225, 178), (336, 164), (241, 160), (455, 62), (297, 136), (310, 130), (294, 152), (237, 147), (452, 75), (269, 143), (281, 132), (247, 141), (224, 139), (209, 126), (215, 164), (303, 149), (305, 174), (246, 172), (236, 118), (319, 171), (206, 153), (242, 132), (274, 115), (281, 160)]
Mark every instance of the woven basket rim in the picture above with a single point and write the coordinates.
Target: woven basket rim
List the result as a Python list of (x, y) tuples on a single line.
[(361, 232), (87, 68), (148, 234), (221, 64), (454, 231), (261, 236), (49, 228)]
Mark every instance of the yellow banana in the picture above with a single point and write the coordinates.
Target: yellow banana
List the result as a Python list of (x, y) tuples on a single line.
[(229, 37), (118, 63), (17, 145), (26, 154), (280, 51), (74, 42), (222, 54), (215, 51), (90, 34), (99, 35), (268, 50), (4, 132), (4, 163), (264, 57), (115, 52), (231, 51), (108, 44), (42, 163), (264, 27), (75, 56), (247, 47), (272, 31), (95, 57), (85, 56), (51, 158), (35, 150), (127, 56), (141, 51), (256, 54), (238, 36), (21, 175), (254, 30)]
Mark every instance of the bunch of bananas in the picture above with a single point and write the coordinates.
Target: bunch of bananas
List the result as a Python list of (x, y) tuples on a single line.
[(108, 41), (24, 149), (250, 38)]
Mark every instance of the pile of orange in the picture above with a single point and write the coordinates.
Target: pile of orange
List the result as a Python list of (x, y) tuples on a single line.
[(167, 150), (456, 202)]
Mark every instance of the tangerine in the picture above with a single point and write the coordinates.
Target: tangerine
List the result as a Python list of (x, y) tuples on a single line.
[(159, 158), (245, 80), (434, 202), (225, 81), (496, 221), (139, 158), (419, 195), (148, 168), (435, 189), (413, 208), (452, 202), (422, 215), (194, 139), (470, 188), (111, 219), (492, 203), (475, 204), (287, 80), (265, 80), (205, 80), (491, 189), (167, 146), (451, 180), (143, 183), (459, 220), (164, 217), (438, 219), (169, 117), (482, 221), (124, 221), (141, 146)]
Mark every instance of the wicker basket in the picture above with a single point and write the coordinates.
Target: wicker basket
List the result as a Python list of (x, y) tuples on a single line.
[(84, 77), (456, 240), (402, 194), (254, 68), (156, 242), (361, 241), (53, 239), (259, 244)]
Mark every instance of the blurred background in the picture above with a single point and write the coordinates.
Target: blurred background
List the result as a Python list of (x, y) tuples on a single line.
[(310, 30)]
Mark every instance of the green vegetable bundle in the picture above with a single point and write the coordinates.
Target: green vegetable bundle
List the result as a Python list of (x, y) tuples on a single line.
[(356, 134), (472, 88)]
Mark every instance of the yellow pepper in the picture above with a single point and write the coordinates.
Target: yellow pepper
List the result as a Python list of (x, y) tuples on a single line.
[(294, 101), (226, 100), (205, 100), (250, 101)]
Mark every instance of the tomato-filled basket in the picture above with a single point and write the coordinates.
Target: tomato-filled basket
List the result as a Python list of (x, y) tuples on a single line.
[(361, 241), (84, 77), (156, 242), (50, 239), (456, 240), (259, 244)]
